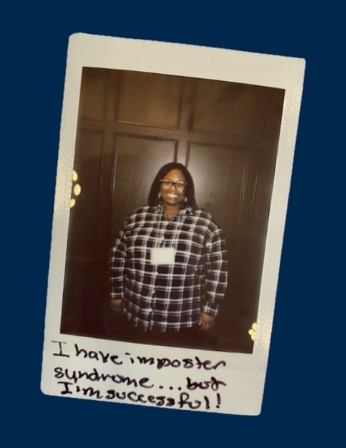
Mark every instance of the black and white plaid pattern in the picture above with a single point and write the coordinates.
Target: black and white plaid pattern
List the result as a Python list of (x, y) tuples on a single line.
[(169, 296)]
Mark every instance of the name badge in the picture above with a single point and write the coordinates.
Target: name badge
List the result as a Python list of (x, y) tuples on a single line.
[(162, 255)]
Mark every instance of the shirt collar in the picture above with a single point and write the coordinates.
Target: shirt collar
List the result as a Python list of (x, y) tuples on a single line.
[(188, 211)]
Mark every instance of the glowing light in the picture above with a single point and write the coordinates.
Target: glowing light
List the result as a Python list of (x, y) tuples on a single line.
[(252, 331), (76, 189)]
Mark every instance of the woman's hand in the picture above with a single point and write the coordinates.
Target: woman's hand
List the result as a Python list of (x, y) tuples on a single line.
[(205, 321), (116, 305)]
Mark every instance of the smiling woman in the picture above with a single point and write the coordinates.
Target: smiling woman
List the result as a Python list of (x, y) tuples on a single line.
[(169, 267), (172, 192)]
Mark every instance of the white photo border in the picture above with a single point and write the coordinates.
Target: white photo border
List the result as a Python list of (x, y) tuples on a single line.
[(243, 374)]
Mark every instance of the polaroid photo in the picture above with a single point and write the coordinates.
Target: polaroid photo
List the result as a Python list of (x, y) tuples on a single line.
[(184, 153)]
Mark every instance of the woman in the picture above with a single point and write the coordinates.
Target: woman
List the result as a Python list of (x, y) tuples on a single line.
[(168, 266)]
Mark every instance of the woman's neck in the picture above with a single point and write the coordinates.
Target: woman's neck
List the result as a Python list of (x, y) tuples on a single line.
[(171, 210)]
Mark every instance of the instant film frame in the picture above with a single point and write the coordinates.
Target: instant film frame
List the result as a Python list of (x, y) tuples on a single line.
[(85, 367)]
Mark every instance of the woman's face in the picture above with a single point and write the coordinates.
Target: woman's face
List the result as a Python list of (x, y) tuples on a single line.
[(173, 194)]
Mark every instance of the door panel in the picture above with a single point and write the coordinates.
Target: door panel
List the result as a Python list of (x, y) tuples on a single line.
[(93, 98), (225, 108), (147, 99), (219, 182)]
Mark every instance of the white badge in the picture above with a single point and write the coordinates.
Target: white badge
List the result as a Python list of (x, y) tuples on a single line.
[(162, 255)]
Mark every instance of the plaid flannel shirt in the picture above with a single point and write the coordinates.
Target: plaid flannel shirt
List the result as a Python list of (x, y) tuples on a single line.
[(169, 296)]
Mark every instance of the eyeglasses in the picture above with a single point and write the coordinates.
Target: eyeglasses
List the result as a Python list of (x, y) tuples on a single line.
[(180, 185)]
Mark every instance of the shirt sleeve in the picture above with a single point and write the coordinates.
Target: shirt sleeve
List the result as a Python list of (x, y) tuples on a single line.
[(216, 273), (117, 266)]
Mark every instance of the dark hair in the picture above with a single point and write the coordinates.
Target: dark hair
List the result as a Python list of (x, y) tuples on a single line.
[(153, 198)]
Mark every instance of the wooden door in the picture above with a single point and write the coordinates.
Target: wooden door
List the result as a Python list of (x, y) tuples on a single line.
[(132, 123)]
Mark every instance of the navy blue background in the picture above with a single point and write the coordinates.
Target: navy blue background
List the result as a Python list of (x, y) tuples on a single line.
[(305, 377)]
